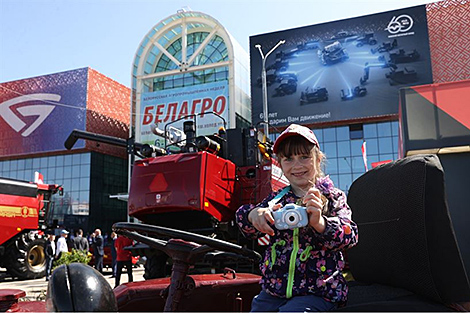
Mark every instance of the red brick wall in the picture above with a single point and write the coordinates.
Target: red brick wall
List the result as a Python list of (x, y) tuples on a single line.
[(108, 110), (449, 39)]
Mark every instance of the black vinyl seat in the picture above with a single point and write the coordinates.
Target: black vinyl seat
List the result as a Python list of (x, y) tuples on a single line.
[(407, 257)]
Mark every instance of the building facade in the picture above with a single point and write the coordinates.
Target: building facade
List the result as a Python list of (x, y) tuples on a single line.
[(80, 99)]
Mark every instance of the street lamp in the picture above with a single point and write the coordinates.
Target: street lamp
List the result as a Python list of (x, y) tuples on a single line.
[(263, 84)]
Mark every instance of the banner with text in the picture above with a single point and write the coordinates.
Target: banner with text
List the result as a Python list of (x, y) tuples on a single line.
[(170, 107)]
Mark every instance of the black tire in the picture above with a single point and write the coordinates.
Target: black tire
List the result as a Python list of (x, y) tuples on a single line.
[(25, 258)]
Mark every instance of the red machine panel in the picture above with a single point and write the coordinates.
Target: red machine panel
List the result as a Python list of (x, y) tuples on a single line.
[(180, 182)]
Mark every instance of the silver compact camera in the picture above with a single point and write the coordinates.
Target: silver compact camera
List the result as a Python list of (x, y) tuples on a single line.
[(290, 216)]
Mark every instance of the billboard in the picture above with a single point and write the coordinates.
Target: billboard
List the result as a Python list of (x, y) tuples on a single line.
[(342, 70), (169, 107), (38, 114)]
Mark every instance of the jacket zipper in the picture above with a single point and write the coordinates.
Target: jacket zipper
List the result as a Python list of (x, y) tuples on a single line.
[(293, 257)]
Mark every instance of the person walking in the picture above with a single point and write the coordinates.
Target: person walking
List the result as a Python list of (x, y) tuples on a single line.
[(49, 250), (80, 243), (124, 258), (98, 249), (113, 253), (62, 244)]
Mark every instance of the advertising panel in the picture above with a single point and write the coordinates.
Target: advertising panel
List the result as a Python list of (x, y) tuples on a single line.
[(342, 70), (38, 114), (169, 107)]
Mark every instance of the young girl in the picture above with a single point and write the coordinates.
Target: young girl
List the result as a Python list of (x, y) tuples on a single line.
[(302, 267)]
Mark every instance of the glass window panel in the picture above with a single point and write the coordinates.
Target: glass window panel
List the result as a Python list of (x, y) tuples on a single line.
[(332, 166), (67, 172), (319, 134), (84, 196), (344, 149), (76, 171), (394, 128), (59, 173), (385, 157), (67, 160), (329, 134), (335, 179), (384, 129), (21, 164), (36, 163), (385, 145), (76, 159), (85, 158), (51, 173), (44, 162), (84, 183), (330, 149), (51, 161), (28, 164), (59, 160), (372, 159), (372, 146), (344, 165), (6, 166), (85, 170), (14, 165), (356, 146), (342, 133), (20, 175), (370, 130), (358, 164), (345, 181)]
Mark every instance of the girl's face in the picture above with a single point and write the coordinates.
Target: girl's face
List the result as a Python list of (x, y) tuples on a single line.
[(300, 170)]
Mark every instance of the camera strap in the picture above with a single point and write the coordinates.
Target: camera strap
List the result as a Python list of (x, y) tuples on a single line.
[(278, 197)]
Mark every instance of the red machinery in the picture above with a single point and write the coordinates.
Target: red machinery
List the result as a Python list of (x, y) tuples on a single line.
[(25, 211), (196, 183)]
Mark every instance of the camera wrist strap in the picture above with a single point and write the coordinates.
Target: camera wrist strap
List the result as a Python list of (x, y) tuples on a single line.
[(278, 197)]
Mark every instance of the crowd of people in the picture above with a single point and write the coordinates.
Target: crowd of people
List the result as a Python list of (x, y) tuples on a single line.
[(92, 244)]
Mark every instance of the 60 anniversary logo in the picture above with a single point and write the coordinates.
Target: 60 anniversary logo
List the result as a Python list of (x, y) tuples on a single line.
[(400, 24)]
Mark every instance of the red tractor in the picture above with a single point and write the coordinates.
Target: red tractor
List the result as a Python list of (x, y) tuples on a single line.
[(25, 213)]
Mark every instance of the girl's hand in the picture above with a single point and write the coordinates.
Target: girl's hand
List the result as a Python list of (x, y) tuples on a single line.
[(262, 217), (314, 205)]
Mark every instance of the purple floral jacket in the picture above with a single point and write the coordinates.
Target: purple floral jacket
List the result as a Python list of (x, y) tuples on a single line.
[(303, 261)]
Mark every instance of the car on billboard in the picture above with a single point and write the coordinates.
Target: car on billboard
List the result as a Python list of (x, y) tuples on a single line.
[(286, 75), (402, 75), (286, 87), (271, 78), (333, 53), (314, 94), (309, 45), (343, 36), (401, 56), (351, 93), (366, 39), (385, 46)]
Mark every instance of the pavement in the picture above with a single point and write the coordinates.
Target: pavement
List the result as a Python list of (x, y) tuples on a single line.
[(36, 288)]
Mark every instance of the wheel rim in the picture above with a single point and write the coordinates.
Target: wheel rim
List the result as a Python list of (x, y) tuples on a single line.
[(36, 257)]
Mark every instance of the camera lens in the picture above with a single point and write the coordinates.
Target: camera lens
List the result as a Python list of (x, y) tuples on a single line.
[(292, 218)]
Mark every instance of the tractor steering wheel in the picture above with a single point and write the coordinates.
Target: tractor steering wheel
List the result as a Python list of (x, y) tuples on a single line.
[(183, 247)]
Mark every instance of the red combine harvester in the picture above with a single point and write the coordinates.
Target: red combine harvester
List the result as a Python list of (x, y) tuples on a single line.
[(25, 213), (195, 183)]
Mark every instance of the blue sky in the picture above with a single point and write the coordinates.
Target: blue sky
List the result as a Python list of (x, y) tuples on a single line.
[(39, 37)]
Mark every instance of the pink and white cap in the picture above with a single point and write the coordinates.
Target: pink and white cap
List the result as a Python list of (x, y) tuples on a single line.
[(296, 130)]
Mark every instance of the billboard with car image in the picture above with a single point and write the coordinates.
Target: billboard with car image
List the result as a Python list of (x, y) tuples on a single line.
[(343, 70)]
